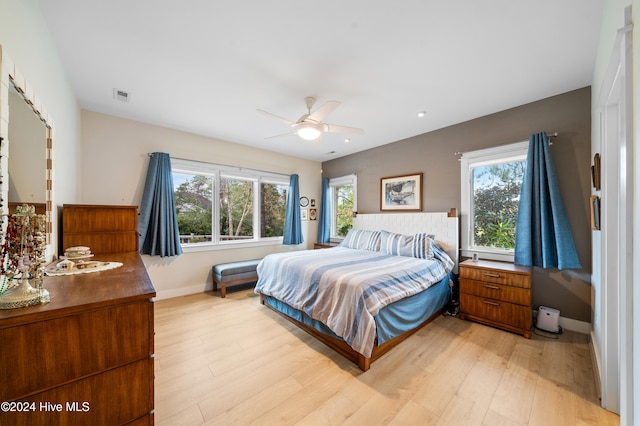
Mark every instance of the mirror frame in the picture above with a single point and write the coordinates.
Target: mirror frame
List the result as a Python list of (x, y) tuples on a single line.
[(9, 74)]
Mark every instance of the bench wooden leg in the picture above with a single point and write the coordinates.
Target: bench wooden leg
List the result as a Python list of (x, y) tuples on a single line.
[(223, 285), (223, 288)]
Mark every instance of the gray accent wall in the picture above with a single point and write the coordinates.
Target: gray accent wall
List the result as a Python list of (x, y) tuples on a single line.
[(434, 155)]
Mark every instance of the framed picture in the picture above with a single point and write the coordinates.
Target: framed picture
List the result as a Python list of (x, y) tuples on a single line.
[(402, 193), (304, 214), (595, 172), (313, 214)]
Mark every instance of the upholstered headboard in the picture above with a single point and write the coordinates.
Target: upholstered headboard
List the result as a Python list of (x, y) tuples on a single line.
[(444, 227)]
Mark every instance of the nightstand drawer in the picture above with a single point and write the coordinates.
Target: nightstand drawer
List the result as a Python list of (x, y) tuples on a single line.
[(496, 276), (506, 293), (497, 311)]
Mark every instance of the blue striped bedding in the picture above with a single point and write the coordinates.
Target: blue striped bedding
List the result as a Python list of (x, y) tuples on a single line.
[(346, 288)]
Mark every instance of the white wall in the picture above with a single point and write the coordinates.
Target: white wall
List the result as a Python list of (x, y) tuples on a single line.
[(114, 166), (24, 37)]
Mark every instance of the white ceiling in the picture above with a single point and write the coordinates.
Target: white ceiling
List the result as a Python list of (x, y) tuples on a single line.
[(205, 66)]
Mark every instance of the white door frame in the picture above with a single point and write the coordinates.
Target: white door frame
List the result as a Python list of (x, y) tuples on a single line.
[(614, 107)]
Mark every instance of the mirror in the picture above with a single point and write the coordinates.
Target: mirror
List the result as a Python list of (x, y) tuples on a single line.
[(26, 150), (27, 155)]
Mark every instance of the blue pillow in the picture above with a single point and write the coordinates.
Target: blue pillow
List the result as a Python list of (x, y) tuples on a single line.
[(362, 240), (417, 245)]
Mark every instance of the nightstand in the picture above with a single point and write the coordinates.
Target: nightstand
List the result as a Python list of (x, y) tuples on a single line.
[(324, 245), (496, 294)]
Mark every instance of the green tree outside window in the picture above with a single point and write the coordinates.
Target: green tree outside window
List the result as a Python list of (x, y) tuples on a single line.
[(496, 193)]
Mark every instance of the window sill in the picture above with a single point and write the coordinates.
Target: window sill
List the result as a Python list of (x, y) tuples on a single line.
[(488, 255), (193, 248)]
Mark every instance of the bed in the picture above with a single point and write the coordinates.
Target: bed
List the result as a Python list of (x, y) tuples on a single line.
[(387, 279)]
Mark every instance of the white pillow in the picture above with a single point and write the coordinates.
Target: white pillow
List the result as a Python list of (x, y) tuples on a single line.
[(417, 245), (362, 240)]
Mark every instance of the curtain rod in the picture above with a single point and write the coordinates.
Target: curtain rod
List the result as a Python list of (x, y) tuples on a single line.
[(150, 154), (552, 135)]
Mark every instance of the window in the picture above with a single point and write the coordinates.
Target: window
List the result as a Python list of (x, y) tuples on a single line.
[(236, 208), (273, 208), (194, 206), (491, 180), (343, 204), (218, 205)]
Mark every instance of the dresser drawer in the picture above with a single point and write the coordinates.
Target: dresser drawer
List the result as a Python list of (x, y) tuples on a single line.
[(496, 276), (72, 347), (517, 316), (113, 397), (506, 293)]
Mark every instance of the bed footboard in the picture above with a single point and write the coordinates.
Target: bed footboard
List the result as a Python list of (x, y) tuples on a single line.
[(340, 346)]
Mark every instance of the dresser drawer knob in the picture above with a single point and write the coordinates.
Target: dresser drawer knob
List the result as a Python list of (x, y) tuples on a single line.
[(487, 274), (491, 287), (487, 302)]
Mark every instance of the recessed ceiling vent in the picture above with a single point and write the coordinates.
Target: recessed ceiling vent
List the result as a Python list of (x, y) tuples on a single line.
[(121, 95)]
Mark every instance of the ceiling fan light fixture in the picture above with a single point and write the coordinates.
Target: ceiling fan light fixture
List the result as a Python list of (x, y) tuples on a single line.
[(309, 131)]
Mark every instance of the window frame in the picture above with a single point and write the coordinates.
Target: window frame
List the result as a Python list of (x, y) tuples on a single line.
[(217, 171), (341, 181), (470, 160)]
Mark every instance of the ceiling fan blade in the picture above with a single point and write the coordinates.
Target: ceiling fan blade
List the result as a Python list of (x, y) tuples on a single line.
[(319, 114), (268, 114), (334, 128), (281, 135)]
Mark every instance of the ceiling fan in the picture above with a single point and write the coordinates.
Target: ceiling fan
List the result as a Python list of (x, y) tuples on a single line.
[(310, 126)]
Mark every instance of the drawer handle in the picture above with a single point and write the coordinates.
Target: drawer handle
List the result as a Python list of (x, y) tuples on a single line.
[(487, 274), (492, 287), (486, 302)]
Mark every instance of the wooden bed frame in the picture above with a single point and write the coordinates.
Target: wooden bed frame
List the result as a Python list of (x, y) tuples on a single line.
[(340, 346), (447, 236)]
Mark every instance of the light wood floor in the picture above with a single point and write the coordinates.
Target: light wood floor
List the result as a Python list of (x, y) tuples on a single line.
[(233, 361)]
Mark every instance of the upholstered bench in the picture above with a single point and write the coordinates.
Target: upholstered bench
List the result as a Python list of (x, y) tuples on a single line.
[(231, 273)]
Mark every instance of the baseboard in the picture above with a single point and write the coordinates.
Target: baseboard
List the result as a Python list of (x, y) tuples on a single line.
[(186, 291), (575, 325), (183, 291)]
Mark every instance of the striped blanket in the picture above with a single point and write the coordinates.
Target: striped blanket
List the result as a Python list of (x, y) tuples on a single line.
[(345, 288)]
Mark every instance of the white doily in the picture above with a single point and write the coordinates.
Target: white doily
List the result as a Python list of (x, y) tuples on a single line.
[(105, 265)]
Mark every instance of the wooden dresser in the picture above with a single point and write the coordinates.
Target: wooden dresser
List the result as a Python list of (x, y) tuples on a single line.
[(86, 357), (496, 294)]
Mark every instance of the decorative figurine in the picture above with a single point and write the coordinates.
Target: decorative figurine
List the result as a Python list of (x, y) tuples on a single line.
[(22, 257)]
